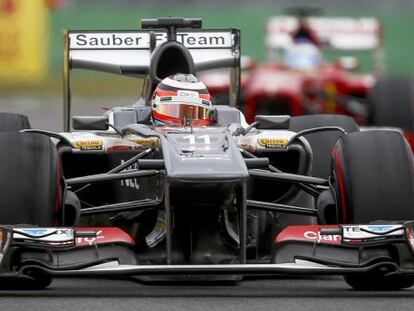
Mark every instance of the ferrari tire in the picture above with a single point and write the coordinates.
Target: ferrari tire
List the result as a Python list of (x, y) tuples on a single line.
[(373, 180), (391, 100), (13, 122), (30, 180), (322, 142)]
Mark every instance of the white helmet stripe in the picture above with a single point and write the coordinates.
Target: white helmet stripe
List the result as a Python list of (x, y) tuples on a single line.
[(183, 85), (181, 100)]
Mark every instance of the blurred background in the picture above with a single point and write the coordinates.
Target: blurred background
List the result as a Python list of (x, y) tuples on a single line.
[(31, 42)]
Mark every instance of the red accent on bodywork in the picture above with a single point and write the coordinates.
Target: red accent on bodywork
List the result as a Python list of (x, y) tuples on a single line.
[(104, 235), (341, 186), (307, 233), (410, 237), (273, 81), (410, 139), (119, 148)]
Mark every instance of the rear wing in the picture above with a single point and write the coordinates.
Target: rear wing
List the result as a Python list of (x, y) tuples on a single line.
[(337, 33), (132, 53), (129, 52)]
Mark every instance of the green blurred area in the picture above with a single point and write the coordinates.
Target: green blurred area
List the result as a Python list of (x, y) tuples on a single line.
[(397, 29)]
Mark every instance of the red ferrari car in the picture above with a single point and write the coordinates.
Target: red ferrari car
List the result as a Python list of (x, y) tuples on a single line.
[(298, 80)]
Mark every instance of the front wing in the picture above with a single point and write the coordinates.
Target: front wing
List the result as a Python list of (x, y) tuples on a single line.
[(299, 250)]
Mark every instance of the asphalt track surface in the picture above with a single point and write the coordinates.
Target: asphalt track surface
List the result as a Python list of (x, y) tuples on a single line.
[(279, 294), (318, 293)]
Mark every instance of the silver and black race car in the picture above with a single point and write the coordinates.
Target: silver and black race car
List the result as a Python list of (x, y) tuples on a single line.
[(119, 196)]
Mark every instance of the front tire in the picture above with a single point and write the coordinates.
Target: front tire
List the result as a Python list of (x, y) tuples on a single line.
[(32, 280), (378, 282), (373, 180), (30, 193), (30, 180), (373, 177)]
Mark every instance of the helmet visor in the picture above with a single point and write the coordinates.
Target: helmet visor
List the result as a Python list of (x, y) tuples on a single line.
[(183, 111)]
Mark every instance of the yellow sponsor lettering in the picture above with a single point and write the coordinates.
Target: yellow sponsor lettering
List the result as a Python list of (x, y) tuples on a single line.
[(88, 144), (276, 143), (147, 142)]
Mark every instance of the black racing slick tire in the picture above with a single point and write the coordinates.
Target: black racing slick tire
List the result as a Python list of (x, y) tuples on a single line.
[(31, 280), (30, 180), (13, 122), (30, 193), (391, 102), (322, 142), (373, 177), (378, 282), (373, 180)]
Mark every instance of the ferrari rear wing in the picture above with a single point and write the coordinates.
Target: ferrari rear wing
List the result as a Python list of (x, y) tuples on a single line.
[(337, 33), (130, 52)]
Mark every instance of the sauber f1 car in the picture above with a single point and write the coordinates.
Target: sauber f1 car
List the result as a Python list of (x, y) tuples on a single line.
[(297, 80), (120, 196)]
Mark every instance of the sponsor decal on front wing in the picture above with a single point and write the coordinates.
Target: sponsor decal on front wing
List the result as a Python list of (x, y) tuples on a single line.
[(308, 233), (51, 236), (349, 234), (363, 232)]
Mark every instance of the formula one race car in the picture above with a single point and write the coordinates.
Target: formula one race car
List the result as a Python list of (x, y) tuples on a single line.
[(297, 80), (125, 196)]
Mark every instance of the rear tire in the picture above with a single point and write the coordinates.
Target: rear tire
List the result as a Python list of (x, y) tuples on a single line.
[(322, 142), (392, 103), (373, 180), (13, 122)]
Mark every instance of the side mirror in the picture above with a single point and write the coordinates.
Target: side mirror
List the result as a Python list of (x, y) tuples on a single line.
[(348, 63), (99, 123), (272, 122)]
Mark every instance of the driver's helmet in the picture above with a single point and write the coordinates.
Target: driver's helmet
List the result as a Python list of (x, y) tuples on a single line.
[(302, 55), (181, 100)]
